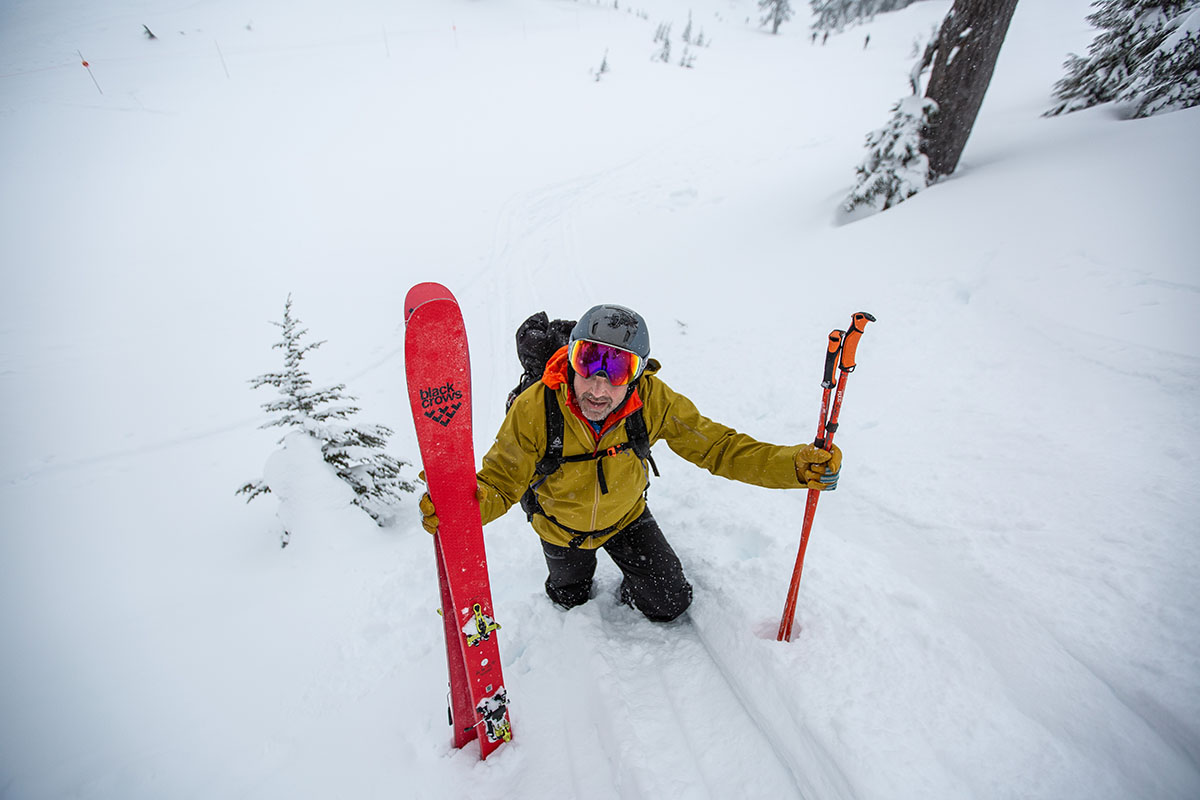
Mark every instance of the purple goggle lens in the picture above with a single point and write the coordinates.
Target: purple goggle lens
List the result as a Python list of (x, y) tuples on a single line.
[(591, 358)]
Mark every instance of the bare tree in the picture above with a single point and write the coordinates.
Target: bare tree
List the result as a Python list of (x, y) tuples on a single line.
[(963, 57), (927, 134)]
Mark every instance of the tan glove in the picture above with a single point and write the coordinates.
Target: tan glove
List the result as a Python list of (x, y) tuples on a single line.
[(429, 520), (817, 468)]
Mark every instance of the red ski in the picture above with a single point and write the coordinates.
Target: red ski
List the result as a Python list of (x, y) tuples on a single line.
[(438, 368)]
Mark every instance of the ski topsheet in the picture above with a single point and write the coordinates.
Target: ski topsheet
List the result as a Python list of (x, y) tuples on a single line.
[(438, 369)]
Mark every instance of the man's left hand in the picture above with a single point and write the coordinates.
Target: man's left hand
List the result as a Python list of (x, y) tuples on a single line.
[(818, 469)]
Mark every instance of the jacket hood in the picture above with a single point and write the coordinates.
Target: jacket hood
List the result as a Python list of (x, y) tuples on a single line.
[(555, 374)]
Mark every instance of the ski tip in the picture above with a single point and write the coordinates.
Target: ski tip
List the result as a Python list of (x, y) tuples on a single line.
[(423, 293)]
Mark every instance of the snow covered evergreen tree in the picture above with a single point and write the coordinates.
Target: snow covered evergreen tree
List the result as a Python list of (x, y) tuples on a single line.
[(775, 13), (663, 34), (603, 68), (834, 15), (831, 15), (1131, 31), (895, 168), (355, 452), (1169, 79)]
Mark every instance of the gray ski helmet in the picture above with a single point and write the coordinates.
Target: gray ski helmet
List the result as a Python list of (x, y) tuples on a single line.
[(616, 325)]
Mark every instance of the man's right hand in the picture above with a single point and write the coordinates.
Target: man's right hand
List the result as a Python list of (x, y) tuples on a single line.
[(429, 519)]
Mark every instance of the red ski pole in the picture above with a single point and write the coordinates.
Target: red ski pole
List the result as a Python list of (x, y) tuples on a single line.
[(810, 508), (843, 348)]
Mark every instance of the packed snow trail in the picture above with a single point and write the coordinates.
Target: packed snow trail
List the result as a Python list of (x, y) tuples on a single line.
[(603, 681)]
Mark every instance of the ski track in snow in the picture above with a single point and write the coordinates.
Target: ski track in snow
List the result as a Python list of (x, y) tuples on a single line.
[(639, 685), (636, 690), (50, 466)]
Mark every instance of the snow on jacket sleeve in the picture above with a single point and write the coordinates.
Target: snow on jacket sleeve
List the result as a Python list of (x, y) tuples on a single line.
[(673, 418)]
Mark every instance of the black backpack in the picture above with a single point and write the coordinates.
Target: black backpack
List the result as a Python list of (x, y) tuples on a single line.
[(538, 338)]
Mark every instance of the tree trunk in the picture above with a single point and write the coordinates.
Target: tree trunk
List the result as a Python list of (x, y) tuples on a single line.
[(967, 48)]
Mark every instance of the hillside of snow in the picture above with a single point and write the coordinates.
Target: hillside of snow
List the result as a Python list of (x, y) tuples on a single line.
[(1000, 601)]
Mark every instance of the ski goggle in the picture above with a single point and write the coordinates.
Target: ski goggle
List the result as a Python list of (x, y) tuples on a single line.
[(592, 358)]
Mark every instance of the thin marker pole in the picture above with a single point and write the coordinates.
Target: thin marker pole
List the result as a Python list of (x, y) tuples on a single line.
[(224, 66), (88, 67)]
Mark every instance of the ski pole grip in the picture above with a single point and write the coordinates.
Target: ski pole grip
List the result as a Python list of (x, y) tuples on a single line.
[(831, 357), (850, 341)]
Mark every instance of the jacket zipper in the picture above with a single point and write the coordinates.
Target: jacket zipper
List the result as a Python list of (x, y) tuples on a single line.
[(596, 493), (587, 429)]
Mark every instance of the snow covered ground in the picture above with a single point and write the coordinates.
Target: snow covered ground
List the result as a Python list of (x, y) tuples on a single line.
[(1000, 600)]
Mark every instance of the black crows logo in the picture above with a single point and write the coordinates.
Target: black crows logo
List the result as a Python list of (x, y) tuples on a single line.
[(443, 415), (440, 402)]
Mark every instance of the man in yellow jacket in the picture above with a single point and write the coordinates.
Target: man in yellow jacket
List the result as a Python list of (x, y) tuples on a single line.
[(588, 490)]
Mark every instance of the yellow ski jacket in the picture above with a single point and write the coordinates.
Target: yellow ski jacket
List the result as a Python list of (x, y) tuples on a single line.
[(572, 494)]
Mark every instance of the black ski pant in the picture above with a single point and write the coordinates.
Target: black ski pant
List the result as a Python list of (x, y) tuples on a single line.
[(654, 581)]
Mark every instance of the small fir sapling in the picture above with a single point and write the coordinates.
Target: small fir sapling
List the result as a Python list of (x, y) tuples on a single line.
[(356, 452), (663, 34), (691, 40), (603, 66), (894, 168)]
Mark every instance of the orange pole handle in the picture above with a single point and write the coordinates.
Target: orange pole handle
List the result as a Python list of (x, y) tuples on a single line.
[(858, 324), (831, 357)]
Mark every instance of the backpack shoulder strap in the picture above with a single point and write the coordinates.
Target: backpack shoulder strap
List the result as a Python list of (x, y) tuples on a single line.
[(639, 443), (552, 459), (639, 438), (554, 434), (635, 429)]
